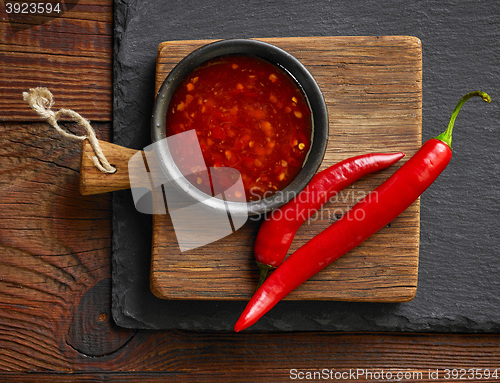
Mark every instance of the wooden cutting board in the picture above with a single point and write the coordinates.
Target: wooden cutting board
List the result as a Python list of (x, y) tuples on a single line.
[(373, 90)]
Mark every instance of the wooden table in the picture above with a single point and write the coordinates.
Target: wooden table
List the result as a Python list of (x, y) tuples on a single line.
[(55, 322)]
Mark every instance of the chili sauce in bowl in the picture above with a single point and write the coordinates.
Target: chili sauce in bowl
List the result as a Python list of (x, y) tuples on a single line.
[(256, 112), (249, 115)]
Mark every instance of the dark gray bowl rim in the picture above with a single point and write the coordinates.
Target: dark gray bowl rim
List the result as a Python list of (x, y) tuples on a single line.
[(276, 56)]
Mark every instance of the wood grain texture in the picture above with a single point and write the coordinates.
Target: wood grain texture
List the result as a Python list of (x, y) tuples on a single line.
[(69, 54), (372, 87), (54, 251), (92, 180)]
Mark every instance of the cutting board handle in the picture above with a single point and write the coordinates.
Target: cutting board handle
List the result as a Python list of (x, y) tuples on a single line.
[(92, 180)]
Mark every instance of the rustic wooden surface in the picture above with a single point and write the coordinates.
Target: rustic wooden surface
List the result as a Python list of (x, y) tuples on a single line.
[(55, 284), (70, 53), (373, 90)]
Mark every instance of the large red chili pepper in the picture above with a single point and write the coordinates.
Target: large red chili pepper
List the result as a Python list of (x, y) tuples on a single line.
[(278, 229), (368, 216)]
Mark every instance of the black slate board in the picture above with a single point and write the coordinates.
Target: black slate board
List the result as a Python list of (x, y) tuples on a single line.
[(459, 271)]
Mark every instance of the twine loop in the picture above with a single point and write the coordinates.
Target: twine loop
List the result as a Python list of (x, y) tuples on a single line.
[(41, 101)]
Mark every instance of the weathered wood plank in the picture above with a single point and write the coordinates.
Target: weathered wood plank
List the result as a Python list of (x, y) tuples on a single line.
[(54, 250), (372, 87), (69, 54)]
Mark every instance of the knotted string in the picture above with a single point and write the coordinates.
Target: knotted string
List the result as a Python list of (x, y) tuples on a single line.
[(41, 101)]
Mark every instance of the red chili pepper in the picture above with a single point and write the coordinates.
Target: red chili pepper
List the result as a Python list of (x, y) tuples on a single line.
[(368, 216), (279, 227)]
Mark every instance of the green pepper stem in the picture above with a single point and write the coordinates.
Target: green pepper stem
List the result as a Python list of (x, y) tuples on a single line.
[(264, 271), (446, 135)]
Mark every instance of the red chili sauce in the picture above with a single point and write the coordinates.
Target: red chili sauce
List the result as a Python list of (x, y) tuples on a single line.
[(249, 115)]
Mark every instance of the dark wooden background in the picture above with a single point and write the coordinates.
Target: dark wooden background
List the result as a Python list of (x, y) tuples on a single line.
[(55, 248)]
